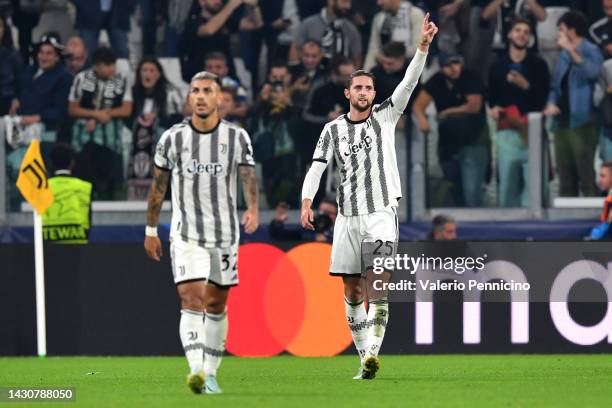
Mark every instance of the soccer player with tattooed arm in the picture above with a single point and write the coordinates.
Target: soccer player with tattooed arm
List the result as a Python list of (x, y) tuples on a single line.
[(203, 156), (363, 144)]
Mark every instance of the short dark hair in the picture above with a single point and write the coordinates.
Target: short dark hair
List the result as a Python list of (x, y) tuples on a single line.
[(62, 156), (215, 55), (520, 20), (394, 49), (104, 55), (278, 64), (336, 62), (439, 221), (607, 165), (577, 21), (358, 73)]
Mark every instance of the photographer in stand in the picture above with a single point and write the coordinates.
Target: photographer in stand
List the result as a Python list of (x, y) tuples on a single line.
[(324, 220)]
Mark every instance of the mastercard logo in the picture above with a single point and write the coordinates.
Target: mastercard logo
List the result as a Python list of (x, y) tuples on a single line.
[(286, 301)]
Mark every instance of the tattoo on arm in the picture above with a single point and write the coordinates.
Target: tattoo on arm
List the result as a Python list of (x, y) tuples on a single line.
[(156, 195), (249, 186)]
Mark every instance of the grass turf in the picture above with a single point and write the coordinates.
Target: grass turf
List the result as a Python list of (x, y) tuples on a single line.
[(415, 381)]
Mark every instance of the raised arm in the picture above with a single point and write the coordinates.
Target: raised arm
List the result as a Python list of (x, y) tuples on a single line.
[(404, 89), (250, 219), (157, 193)]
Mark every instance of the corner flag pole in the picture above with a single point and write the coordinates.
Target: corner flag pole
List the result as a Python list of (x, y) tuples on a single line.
[(39, 268), (34, 186)]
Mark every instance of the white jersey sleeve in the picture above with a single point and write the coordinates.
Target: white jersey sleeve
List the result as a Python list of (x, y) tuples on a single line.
[(165, 157), (324, 149), (244, 151)]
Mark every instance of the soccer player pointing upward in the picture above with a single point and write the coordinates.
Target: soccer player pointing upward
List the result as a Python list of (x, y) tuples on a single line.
[(363, 144), (204, 156)]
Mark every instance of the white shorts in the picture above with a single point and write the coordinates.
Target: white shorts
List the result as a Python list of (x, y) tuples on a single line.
[(191, 262), (351, 231)]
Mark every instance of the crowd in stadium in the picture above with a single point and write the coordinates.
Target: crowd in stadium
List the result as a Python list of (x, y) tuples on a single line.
[(284, 64)]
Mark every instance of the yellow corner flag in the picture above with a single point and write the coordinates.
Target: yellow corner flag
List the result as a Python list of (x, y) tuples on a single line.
[(32, 181)]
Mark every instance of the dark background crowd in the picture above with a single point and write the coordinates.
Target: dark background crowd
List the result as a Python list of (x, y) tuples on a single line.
[(283, 65)]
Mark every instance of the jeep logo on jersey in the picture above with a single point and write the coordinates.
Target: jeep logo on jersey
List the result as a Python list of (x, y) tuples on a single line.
[(366, 143), (195, 167)]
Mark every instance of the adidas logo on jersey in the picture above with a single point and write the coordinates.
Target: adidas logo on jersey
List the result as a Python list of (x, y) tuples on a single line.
[(366, 143), (195, 167)]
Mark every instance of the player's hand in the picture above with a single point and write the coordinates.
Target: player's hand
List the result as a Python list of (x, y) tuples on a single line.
[(153, 248), (428, 33), (250, 220), (552, 110), (306, 215)]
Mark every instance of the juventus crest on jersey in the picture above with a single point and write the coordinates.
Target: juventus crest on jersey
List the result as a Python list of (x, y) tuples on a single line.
[(365, 155), (204, 181)]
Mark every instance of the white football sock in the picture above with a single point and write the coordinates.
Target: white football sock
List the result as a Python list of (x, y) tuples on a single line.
[(356, 318), (191, 329), (378, 315), (215, 332)]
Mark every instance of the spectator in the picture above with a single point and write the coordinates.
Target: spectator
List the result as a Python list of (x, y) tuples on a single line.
[(601, 30), (331, 29), (458, 93), (323, 222), (518, 84), (208, 29), (112, 16), (10, 66), (157, 106), (229, 102), (306, 72), (399, 21), (40, 108), (25, 17), (389, 72), (76, 55), (280, 21), (177, 14), (216, 62), (570, 101), (272, 125), (100, 97), (602, 231), (603, 99), (67, 221), (454, 24), (44, 87), (325, 102), (505, 11), (443, 228)]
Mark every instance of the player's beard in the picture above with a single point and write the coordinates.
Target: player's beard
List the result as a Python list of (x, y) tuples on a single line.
[(205, 115), (360, 108)]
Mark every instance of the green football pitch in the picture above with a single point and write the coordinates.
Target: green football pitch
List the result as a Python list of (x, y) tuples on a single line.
[(406, 381)]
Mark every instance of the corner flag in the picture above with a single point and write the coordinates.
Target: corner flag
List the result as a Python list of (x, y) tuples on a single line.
[(32, 181)]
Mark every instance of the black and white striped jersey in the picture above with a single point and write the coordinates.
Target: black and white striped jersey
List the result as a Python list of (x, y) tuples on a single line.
[(365, 156), (204, 168)]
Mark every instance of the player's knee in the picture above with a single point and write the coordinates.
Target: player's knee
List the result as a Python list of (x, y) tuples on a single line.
[(353, 290), (214, 306), (192, 302)]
